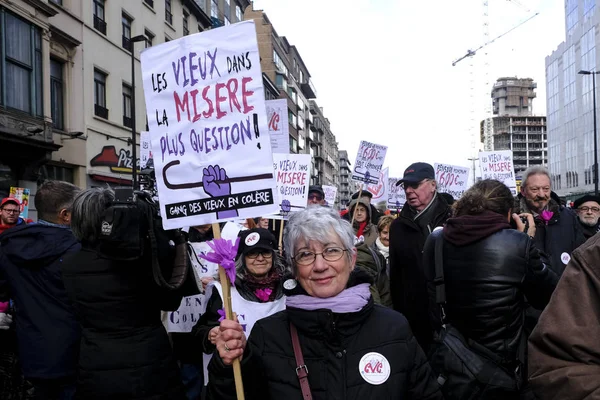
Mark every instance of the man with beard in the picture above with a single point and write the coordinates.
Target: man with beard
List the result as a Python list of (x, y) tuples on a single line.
[(588, 211)]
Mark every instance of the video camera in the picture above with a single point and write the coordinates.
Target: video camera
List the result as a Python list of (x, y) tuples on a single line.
[(132, 230)]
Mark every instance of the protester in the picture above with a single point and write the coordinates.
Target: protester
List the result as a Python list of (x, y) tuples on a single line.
[(262, 222), (564, 350), (362, 225), (371, 261), (30, 261), (10, 208), (352, 349), (382, 243), (588, 211), (125, 351), (258, 290), (367, 197), (489, 269), (423, 212), (316, 195)]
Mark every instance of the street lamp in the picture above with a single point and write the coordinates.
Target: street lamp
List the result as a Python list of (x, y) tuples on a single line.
[(593, 74), (132, 41)]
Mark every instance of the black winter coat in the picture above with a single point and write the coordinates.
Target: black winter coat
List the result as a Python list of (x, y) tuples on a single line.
[(332, 346), (486, 284), (407, 281), (47, 330), (125, 351)]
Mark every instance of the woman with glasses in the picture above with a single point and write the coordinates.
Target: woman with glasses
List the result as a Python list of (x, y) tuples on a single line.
[(331, 341), (258, 290)]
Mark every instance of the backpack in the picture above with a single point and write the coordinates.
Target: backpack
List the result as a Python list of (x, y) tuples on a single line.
[(467, 370)]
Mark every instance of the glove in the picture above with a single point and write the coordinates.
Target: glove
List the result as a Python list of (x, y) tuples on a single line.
[(5, 321)]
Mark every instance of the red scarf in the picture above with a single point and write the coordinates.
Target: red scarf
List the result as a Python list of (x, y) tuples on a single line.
[(361, 229)]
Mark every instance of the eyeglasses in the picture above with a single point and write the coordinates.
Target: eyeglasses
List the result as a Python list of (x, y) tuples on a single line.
[(315, 196), (254, 254), (414, 185), (11, 211), (329, 254), (586, 209)]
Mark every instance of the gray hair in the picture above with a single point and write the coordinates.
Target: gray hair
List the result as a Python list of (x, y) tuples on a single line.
[(278, 265), (88, 208), (534, 170), (319, 224), (52, 197)]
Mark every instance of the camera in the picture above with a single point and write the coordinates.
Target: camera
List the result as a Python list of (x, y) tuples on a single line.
[(524, 220)]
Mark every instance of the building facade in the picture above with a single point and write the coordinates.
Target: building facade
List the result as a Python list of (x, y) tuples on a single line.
[(570, 103), (345, 172)]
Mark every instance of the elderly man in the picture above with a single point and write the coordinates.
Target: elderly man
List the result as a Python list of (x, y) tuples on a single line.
[(424, 210), (558, 233), (588, 211), (316, 195)]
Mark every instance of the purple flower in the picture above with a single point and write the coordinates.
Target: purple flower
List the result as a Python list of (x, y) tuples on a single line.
[(263, 294), (222, 314), (224, 254), (546, 216)]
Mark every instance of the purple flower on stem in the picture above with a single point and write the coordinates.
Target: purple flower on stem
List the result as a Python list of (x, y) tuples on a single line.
[(224, 254), (546, 216), (263, 294), (222, 314)]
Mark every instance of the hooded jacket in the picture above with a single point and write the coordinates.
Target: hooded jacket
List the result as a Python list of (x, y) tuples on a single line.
[(369, 230), (47, 330)]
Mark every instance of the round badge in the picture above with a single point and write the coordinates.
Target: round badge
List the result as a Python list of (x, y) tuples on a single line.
[(374, 368), (290, 284), (565, 258), (252, 239)]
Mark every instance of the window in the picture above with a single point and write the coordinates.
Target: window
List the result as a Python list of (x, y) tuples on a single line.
[(57, 173), (279, 63), (127, 106), (59, 2), (100, 94), (281, 82), (238, 13), (150, 3), (294, 146), (186, 18), (56, 94), (21, 66), (150, 38), (214, 9), (126, 22), (99, 22), (168, 13)]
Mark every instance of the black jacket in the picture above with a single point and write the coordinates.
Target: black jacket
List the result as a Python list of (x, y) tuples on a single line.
[(125, 350), (486, 284), (332, 346), (47, 330), (407, 281)]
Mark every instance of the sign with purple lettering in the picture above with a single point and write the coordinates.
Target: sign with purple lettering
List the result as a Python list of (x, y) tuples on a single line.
[(498, 165), (208, 127), (396, 195), (279, 126), (451, 179), (369, 161), (292, 173)]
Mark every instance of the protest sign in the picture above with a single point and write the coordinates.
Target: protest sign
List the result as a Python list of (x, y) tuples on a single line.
[(208, 127), (451, 179), (498, 165), (279, 128), (22, 196), (330, 194), (145, 149), (369, 161), (292, 172), (396, 195), (380, 189)]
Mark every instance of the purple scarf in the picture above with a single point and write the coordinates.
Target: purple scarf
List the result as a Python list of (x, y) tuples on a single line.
[(349, 300)]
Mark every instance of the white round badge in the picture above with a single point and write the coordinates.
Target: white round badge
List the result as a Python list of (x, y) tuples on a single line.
[(374, 368), (290, 284), (565, 258), (252, 239)]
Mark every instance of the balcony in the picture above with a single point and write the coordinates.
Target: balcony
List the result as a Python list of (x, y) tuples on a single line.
[(100, 111), (127, 122), (126, 43), (100, 25), (308, 89)]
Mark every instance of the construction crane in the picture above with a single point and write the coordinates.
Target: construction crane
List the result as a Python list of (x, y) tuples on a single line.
[(471, 53)]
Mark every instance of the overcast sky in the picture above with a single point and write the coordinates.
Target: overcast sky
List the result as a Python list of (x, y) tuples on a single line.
[(383, 68)]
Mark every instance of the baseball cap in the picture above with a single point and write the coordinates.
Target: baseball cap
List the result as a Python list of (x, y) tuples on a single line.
[(256, 238), (585, 199), (9, 200), (416, 172), (316, 189)]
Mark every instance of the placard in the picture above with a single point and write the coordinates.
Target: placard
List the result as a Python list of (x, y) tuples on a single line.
[(330, 194), (369, 161), (498, 165), (396, 195), (145, 149), (292, 172), (208, 127), (451, 179), (380, 189), (22, 196), (279, 126)]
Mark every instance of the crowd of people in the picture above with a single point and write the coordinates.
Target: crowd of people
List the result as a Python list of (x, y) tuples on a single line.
[(358, 303)]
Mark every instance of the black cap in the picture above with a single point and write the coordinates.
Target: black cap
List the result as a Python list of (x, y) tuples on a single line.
[(417, 172), (316, 189), (364, 193), (584, 199), (256, 238)]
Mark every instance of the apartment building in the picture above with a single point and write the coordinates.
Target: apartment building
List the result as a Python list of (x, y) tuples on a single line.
[(345, 172)]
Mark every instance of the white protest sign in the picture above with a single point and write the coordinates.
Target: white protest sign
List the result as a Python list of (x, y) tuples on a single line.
[(396, 195), (279, 128), (369, 161), (451, 179), (292, 172), (145, 149), (380, 189), (208, 127), (498, 165), (330, 194)]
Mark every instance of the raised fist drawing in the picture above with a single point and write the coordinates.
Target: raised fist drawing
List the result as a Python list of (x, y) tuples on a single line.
[(212, 180)]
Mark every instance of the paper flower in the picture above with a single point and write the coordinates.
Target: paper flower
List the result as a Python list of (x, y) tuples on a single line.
[(546, 216), (224, 254), (263, 294), (222, 314)]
